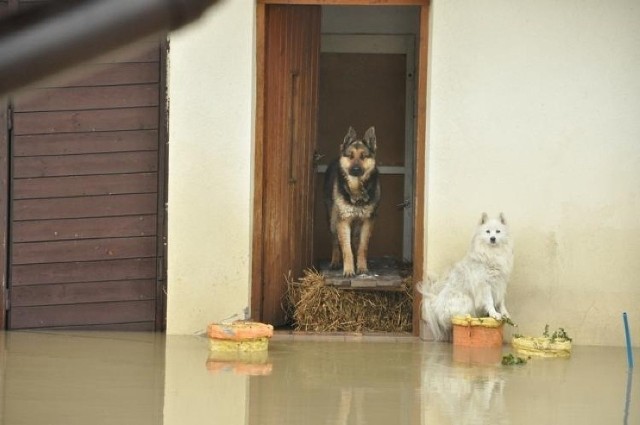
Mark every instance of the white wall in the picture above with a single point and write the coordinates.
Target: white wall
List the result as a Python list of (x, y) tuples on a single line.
[(211, 96), (535, 111)]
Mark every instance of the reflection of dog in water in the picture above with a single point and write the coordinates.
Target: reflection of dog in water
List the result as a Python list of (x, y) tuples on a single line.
[(477, 284), (464, 387), (352, 195)]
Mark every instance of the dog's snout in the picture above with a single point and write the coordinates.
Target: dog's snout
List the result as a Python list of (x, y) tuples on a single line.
[(356, 171), (492, 239)]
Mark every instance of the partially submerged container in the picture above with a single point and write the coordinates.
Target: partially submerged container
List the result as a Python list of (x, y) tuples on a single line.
[(239, 336), (556, 344), (543, 346), (477, 331)]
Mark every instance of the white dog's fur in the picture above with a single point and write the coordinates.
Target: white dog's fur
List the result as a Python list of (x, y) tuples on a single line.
[(477, 284)]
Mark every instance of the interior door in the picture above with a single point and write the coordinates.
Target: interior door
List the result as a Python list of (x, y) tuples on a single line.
[(292, 48)]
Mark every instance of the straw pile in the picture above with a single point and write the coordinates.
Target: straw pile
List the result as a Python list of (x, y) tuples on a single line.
[(313, 306)]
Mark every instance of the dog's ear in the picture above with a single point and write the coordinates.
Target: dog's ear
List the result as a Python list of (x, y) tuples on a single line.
[(370, 139), (502, 220), (348, 138), (484, 218)]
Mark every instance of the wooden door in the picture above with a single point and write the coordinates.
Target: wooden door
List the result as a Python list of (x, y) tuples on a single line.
[(292, 47), (87, 197)]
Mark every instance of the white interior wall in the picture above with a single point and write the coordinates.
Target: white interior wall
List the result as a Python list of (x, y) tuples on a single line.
[(534, 111)]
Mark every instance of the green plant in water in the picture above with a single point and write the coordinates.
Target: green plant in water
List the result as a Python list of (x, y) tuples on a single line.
[(511, 360)]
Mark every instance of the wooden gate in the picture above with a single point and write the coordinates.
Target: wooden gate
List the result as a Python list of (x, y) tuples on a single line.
[(290, 116), (86, 193)]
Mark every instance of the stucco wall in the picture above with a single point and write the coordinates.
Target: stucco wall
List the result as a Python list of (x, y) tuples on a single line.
[(211, 96), (534, 111)]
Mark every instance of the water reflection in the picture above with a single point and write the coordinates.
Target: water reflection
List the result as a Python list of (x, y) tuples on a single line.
[(69, 378), (338, 383), (65, 379), (464, 386), (241, 363)]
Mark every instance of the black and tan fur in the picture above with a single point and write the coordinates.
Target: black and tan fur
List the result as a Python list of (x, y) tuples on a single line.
[(352, 195)]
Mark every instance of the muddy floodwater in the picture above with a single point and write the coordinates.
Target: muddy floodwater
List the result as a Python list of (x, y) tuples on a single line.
[(142, 378)]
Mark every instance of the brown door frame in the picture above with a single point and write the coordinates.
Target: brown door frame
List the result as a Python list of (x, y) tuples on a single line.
[(420, 149), (163, 188), (4, 207)]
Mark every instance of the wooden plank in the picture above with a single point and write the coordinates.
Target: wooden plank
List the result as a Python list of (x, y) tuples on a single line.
[(141, 52), (109, 74), (4, 207), (110, 184), (420, 161), (385, 274), (84, 121), (77, 98), (163, 190), (87, 164), (78, 293), (91, 206), (257, 261), (81, 314), (84, 228), (90, 271), (83, 250), (79, 143)]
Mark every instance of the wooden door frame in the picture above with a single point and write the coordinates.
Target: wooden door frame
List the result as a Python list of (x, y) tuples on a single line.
[(4, 208), (163, 188), (257, 262)]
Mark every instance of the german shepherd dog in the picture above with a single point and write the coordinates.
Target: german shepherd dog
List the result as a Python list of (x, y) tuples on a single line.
[(352, 195)]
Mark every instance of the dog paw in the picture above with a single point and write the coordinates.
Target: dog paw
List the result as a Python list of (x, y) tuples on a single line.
[(496, 316), (334, 266), (363, 270), (348, 272)]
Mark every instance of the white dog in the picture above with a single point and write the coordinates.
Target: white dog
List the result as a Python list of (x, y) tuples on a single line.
[(477, 284)]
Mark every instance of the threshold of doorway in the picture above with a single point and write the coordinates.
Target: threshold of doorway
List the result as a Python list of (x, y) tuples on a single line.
[(394, 337)]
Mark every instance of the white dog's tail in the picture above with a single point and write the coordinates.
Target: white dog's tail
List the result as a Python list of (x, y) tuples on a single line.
[(428, 310)]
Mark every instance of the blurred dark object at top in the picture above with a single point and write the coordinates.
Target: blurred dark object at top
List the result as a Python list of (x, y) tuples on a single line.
[(42, 40)]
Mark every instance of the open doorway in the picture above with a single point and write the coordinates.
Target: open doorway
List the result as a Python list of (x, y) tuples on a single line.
[(368, 80), (345, 66)]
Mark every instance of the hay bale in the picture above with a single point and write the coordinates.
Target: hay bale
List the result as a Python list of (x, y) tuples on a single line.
[(313, 306)]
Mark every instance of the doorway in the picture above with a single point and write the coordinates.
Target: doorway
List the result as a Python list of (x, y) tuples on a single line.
[(343, 48), (365, 80)]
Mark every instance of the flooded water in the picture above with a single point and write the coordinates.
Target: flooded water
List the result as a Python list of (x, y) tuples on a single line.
[(135, 378)]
